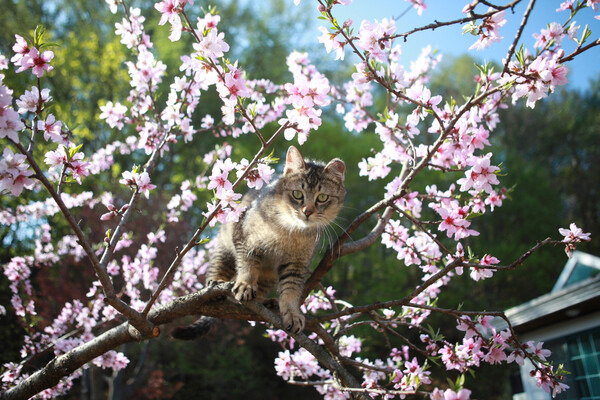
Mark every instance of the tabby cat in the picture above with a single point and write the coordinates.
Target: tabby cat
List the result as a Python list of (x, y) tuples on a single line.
[(274, 239)]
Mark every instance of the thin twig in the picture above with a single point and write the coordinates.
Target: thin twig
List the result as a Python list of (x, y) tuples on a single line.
[(437, 24), (513, 45)]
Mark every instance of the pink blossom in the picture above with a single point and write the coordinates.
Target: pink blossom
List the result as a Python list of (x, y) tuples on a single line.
[(258, 176), (234, 84), (112, 359), (114, 114), (14, 172), (170, 10), (78, 168), (51, 128), (544, 380), (375, 167), (489, 30), (370, 35), (227, 197), (140, 181), (212, 45), (131, 29), (494, 199), (209, 21), (21, 48), (454, 221), (207, 122), (419, 5), (481, 176), (462, 394), (573, 235), (283, 364), (566, 5), (57, 157), (38, 62), (305, 119), (32, 99), (537, 350), (495, 356), (331, 43), (517, 356), (349, 345), (220, 216), (10, 123), (113, 5), (17, 270), (555, 32), (484, 322)]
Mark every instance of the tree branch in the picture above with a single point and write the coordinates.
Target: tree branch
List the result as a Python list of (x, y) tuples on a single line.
[(438, 24), (203, 302), (513, 45)]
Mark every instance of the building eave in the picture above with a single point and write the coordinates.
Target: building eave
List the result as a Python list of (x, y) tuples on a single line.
[(558, 306)]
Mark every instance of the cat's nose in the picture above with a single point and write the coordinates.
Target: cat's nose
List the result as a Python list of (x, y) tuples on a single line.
[(308, 212)]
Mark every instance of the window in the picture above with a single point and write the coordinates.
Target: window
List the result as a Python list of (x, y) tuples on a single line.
[(580, 354)]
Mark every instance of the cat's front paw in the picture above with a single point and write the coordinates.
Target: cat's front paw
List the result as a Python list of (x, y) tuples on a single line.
[(293, 321), (244, 291)]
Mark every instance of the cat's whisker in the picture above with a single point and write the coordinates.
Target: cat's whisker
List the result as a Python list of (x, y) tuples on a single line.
[(342, 228)]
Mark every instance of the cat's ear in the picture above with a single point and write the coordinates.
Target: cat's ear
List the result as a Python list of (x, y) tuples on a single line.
[(337, 168), (293, 161)]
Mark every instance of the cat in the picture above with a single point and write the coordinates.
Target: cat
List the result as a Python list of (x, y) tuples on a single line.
[(275, 238)]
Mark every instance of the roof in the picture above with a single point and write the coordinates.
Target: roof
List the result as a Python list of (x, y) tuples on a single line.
[(580, 267), (576, 293)]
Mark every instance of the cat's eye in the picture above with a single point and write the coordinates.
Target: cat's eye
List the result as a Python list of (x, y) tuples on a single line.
[(297, 194), (322, 198)]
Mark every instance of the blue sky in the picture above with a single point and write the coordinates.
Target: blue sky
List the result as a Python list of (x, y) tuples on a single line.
[(451, 41)]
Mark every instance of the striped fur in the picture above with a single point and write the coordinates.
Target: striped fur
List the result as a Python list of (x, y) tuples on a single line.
[(275, 238)]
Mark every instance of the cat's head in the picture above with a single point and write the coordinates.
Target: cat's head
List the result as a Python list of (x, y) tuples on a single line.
[(311, 193)]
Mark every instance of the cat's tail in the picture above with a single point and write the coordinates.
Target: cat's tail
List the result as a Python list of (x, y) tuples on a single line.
[(199, 328)]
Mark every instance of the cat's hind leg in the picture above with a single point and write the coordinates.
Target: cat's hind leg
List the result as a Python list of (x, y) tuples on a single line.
[(222, 267)]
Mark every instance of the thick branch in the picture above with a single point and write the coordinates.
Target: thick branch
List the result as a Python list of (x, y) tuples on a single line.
[(368, 240), (202, 302)]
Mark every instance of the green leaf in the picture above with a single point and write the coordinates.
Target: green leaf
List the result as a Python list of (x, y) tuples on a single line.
[(74, 150), (521, 55), (452, 104), (38, 35), (202, 241)]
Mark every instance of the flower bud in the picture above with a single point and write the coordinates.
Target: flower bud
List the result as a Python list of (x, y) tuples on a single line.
[(108, 216)]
